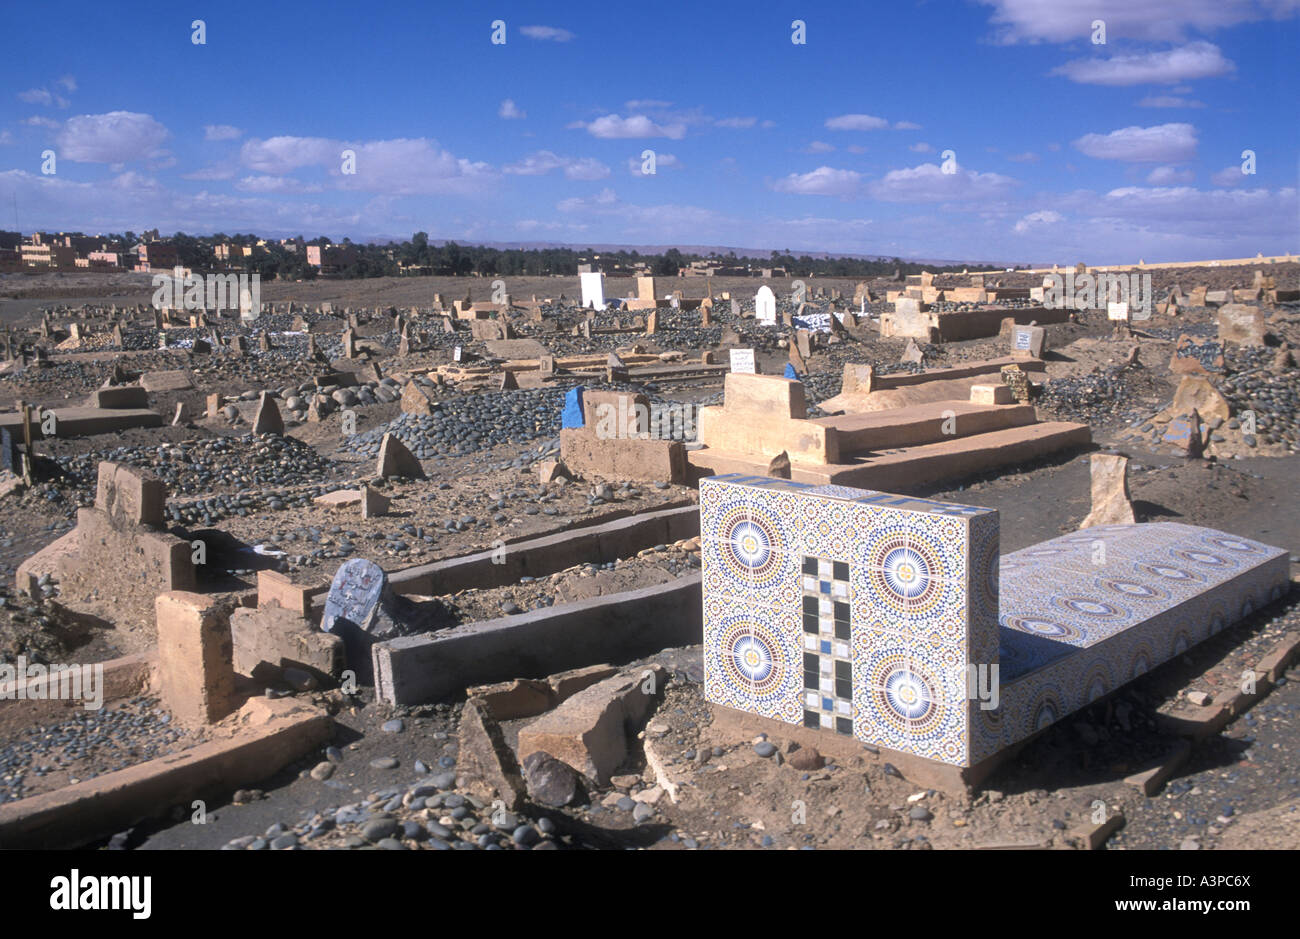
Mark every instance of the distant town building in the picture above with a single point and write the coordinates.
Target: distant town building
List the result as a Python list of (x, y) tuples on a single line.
[(331, 258)]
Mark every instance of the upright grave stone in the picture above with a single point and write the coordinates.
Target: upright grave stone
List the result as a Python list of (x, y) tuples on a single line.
[(765, 306)]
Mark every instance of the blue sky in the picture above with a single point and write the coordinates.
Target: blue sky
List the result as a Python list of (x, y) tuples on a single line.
[(1063, 149)]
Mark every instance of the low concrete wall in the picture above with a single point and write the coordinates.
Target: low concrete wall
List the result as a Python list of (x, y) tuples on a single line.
[(538, 557), (96, 808), (123, 678), (616, 628)]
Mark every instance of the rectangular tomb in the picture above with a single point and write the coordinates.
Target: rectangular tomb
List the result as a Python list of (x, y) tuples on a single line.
[(876, 616)]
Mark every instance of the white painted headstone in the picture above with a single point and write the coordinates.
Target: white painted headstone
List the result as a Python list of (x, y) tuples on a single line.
[(742, 360), (765, 306), (1117, 311), (593, 290)]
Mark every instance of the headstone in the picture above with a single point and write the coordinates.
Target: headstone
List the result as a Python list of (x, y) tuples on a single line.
[(1110, 494), (912, 354), (803, 341), (268, 419), (742, 360), (593, 290), (1241, 324), (349, 344), (508, 382), (765, 306), (1028, 341), (180, 417), (735, 308), (264, 342), (797, 359), (362, 609), (397, 461), (652, 323), (214, 406)]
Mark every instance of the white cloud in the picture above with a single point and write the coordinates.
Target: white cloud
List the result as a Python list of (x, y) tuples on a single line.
[(928, 183), (1037, 220), (221, 132), (1229, 176), (509, 111), (920, 147), (37, 121), (1169, 175), (553, 33), (211, 173), (396, 167), (823, 181), (36, 96), (1196, 60), (856, 122), (1028, 156), (67, 82), (115, 137), (274, 184), (647, 104), (613, 127), (1169, 101), (1163, 143), (858, 148), (544, 161), (819, 146), (1053, 21), (906, 125), (737, 122), (663, 161)]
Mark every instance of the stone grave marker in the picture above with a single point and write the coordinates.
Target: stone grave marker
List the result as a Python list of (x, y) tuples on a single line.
[(765, 306), (742, 360)]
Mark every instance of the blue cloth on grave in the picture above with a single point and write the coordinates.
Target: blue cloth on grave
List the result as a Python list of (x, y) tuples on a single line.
[(571, 416), (790, 372)]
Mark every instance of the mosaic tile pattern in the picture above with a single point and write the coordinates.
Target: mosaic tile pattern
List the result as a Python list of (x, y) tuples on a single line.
[(890, 619), (881, 593)]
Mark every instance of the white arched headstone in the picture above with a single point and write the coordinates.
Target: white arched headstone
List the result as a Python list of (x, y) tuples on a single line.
[(593, 290), (765, 306)]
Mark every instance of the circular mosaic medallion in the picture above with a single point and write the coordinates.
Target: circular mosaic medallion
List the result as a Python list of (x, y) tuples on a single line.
[(903, 574), (750, 545), (1201, 557), (908, 698), (1132, 588), (1231, 544), (1042, 627), (1090, 607), (751, 659), (1171, 573)]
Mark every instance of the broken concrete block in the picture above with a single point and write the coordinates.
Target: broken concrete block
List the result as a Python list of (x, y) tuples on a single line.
[(510, 700), (568, 683), (272, 638), (373, 504), (130, 396), (170, 380), (991, 394), (1241, 324), (396, 460), (1111, 504), (485, 765), (1198, 393), (268, 419), (339, 498), (276, 589), (548, 471), (590, 730), (416, 399), (130, 496), (195, 658)]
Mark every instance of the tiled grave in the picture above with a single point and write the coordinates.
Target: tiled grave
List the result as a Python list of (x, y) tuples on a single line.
[(861, 613)]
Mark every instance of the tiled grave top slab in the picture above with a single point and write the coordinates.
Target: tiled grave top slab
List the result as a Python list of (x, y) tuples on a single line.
[(849, 494), (1078, 590)]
